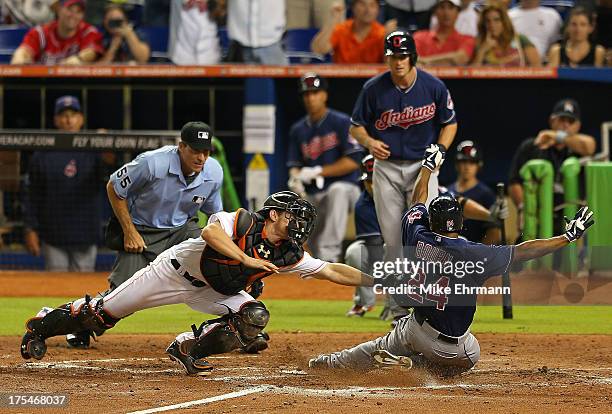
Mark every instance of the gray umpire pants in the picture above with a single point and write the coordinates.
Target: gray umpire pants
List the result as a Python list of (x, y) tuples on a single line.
[(393, 184), (409, 338), (333, 206), (356, 255), (156, 240)]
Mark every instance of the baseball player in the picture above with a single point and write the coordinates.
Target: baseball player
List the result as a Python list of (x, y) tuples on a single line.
[(438, 332), (368, 246), (210, 274), (468, 161), (323, 160), (155, 200), (397, 115)]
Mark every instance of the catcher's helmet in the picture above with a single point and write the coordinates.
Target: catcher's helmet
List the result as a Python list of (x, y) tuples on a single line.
[(312, 82), (445, 214), (303, 214), (468, 151), (367, 168), (401, 42)]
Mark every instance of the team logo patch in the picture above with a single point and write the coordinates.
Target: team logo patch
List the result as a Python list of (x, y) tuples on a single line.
[(198, 199), (450, 224), (202, 134), (414, 215), (449, 102), (70, 170), (405, 119)]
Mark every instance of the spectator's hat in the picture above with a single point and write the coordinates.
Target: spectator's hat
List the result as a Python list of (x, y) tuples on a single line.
[(67, 102), (312, 82), (456, 3), (68, 3), (197, 135), (567, 107)]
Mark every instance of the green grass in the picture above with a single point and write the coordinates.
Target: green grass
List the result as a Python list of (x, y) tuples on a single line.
[(328, 316)]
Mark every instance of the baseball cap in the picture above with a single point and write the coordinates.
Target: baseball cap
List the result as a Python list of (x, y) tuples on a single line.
[(312, 82), (67, 102), (567, 107), (197, 135), (456, 3), (68, 3)]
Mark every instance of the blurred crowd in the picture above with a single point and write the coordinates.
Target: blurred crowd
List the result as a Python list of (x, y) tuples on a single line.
[(202, 32)]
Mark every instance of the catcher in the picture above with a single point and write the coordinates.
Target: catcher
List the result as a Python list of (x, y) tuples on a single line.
[(437, 334), (209, 274)]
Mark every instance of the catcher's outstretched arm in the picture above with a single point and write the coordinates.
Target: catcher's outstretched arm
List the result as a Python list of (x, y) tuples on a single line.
[(344, 275)]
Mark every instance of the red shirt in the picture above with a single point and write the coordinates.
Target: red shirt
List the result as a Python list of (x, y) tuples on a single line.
[(48, 48), (428, 44), (347, 49)]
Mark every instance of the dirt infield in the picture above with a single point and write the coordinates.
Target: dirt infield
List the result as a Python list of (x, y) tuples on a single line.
[(517, 373)]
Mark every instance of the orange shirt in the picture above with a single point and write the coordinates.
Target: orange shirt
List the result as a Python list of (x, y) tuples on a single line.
[(347, 49), (428, 44)]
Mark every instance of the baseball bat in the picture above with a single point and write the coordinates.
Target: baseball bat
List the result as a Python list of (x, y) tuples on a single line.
[(506, 297)]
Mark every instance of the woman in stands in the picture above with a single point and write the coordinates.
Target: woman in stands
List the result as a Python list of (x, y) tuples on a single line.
[(121, 43), (576, 48), (498, 44)]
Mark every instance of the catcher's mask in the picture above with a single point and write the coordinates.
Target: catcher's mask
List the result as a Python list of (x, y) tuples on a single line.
[(302, 214)]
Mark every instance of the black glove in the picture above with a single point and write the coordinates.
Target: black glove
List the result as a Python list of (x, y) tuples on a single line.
[(582, 220), (256, 288)]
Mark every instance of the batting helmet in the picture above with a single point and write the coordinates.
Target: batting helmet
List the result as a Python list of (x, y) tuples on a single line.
[(367, 168), (303, 214), (402, 43), (445, 214), (468, 151)]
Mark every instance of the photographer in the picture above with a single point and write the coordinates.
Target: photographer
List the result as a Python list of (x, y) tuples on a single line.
[(120, 41)]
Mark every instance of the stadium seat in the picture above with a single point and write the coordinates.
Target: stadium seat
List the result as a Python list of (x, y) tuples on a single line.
[(157, 38), (10, 39), (297, 47)]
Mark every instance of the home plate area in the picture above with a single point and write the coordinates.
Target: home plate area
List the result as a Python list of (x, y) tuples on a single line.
[(130, 373)]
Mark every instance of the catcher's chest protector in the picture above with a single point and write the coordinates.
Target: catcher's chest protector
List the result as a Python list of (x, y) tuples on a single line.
[(228, 276)]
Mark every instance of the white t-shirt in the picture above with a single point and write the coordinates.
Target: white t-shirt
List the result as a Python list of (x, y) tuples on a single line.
[(189, 252), (193, 36), (541, 25), (256, 23)]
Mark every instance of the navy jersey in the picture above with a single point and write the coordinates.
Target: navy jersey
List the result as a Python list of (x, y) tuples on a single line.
[(451, 313), (323, 143), (475, 230), (366, 221), (406, 120)]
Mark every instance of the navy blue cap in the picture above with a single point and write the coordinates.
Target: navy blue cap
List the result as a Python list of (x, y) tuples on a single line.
[(67, 102)]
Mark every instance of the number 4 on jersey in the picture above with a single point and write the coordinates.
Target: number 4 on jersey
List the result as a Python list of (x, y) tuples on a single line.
[(434, 293)]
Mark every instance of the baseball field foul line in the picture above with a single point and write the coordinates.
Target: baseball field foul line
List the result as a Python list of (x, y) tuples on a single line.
[(203, 401)]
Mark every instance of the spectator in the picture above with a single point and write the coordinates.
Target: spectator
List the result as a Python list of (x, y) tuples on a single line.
[(255, 29), (325, 158), (542, 25), (67, 40), (63, 199), (408, 15), (498, 44), (27, 12), (121, 42), (468, 162), (576, 49), (561, 141), (193, 32), (304, 14), (467, 21), (356, 40), (444, 46)]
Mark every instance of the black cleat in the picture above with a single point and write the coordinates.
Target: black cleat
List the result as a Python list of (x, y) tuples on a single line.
[(79, 340), (192, 366)]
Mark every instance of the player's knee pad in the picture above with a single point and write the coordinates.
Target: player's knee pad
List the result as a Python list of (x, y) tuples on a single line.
[(232, 331), (82, 314)]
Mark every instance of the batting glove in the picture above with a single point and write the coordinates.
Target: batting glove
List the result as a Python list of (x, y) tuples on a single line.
[(499, 211), (296, 185), (307, 174), (582, 220), (434, 157)]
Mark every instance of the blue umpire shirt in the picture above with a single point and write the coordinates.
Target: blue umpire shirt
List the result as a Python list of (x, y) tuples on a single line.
[(157, 193), (409, 120)]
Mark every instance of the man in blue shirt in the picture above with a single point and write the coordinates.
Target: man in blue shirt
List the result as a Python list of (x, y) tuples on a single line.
[(442, 284), (323, 162), (155, 199)]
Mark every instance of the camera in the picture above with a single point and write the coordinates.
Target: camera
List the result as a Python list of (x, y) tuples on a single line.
[(115, 23)]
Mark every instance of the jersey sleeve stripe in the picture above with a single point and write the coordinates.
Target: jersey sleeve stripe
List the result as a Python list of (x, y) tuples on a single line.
[(355, 122), (449, 119)]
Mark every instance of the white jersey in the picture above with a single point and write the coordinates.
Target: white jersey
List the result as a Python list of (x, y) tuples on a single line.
[(189, 252), (541, 25)]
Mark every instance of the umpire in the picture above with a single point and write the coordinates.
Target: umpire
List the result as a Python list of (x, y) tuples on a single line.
[(155, 199)]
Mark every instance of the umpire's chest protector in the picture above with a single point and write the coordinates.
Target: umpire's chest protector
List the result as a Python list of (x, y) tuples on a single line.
[(228, 276)]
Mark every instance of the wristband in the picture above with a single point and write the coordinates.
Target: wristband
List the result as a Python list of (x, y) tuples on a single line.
[(561, 137)]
